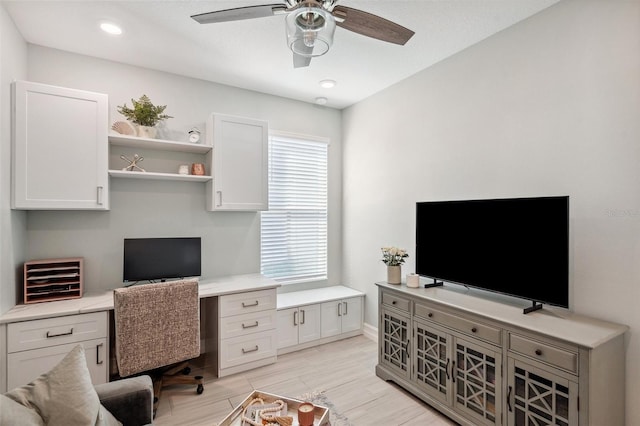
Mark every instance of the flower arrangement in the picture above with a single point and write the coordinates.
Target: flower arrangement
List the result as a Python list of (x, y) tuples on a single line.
[(393, 256), (144, 112)]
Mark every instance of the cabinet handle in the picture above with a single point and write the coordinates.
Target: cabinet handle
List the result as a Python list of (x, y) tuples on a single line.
[(473, 330), (246, 351), (219, 198), (340, 309), (509, 399), (250, 326), (244, 305), (346, 308), (302, 321), (99, 195), (295, 317), (393, 302), (430, 314), (453, 371), (98, 361), (538, 352), (446, 369), (68, 333)]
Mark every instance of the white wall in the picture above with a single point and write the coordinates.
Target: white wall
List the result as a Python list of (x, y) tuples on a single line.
[(139, 208), (13, 66), (550, 106)]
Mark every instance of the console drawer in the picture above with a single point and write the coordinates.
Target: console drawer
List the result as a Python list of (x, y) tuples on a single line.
[(252, 322), (463, 325), (245, 349), (394, 301), (560, 358), (250, 301), (26, 335)]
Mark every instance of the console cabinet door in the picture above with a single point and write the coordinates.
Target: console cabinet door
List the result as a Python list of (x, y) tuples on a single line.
[(240, 154), (433, 360), (60, 149), (309, 328), (539, 397), (394, 332)]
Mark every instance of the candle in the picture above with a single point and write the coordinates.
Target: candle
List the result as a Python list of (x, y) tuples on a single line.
[(305, 414)]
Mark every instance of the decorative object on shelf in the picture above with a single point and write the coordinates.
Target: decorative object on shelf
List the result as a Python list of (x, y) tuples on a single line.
[(393, 257), (197, 169), (183, 169), (124, 128), (194, 135), (413, 280), (133, 164), (305, 414), (145, 115)]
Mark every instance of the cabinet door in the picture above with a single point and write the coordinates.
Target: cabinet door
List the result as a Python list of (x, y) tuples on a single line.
[(309, 323), (331, 323), (394, 342), (477, 381), (60, 149), (287, 327), (539, 397), (432, 360), (25, 366), (351, 314), (239, 163)]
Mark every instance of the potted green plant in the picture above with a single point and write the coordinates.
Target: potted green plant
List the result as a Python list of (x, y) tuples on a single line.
[(145, 115)]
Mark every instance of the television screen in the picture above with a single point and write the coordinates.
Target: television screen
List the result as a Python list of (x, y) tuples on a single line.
[(161, 258), (517, 246)]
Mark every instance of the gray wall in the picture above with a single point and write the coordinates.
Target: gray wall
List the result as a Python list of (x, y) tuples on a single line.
[(140, 208), (550, 106)]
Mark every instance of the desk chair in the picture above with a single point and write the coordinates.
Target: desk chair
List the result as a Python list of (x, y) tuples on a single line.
[(157, 329)]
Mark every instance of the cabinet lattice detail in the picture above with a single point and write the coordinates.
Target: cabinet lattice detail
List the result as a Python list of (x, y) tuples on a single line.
[(475, 382), (395, 341), (432, 363), (539, 401)]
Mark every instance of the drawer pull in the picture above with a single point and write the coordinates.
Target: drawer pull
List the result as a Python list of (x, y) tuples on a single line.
[(474, 330), (98, 360), (244, 305), (430, 314), (538, 352), (68, 333), (250, 326), (246, 351), (393, 302)]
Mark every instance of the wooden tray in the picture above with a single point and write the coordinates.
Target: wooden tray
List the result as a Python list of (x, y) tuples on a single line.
[(234, 418)]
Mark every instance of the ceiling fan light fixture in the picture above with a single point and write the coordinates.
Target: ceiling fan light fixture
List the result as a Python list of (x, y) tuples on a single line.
[(310, 30)]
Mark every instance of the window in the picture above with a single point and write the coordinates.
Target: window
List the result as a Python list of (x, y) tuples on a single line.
[(293, 245)]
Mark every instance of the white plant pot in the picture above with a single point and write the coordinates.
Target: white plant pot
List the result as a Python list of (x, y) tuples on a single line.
[(147, 132), (394, 274)]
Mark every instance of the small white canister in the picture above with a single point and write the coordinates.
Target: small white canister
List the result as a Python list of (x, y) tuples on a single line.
[(183, 169), (413, 280)]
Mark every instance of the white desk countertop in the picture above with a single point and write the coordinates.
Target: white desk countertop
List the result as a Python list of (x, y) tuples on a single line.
[(103, 300)]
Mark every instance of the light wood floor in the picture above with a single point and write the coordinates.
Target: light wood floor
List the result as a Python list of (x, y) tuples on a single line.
[(345, 370)]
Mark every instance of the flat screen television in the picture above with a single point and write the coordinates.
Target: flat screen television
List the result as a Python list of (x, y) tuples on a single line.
[(516, 246), (161, 258)]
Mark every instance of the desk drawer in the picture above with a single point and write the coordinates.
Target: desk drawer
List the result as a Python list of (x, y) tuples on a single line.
[(557, 357), (253, 322), (463, 325), (26, 335), (251, 301), (394, 301), (244, 349)]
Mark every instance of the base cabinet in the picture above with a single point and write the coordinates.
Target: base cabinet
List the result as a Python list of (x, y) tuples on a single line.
[(341, 316), (450, 350), (298, 325)]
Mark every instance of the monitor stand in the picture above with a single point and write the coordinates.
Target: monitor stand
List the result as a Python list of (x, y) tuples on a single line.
[(435, 283), (534, 307)]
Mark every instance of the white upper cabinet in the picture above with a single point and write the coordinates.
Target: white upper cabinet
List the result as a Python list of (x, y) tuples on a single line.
[(60, 150), (238, 162)]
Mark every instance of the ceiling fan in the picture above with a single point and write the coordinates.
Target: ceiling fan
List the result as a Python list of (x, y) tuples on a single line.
[(310, 24)]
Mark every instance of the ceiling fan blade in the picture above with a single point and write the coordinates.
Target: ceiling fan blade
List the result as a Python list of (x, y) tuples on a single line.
[(300, 61), (239, 13), (371, 25)]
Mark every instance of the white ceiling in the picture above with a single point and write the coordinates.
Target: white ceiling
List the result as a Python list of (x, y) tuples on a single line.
[(253, 54)]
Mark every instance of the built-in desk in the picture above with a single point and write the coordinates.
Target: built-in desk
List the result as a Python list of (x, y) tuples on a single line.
[(34, 337)]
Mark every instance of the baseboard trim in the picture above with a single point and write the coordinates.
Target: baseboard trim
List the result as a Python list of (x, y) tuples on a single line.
[(371, 332)]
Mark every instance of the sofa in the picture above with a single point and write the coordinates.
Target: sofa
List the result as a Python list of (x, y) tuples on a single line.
[(65, 397)]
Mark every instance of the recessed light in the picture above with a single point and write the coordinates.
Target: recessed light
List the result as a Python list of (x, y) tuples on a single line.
[(110, 28), (327, 84), (321, 101)]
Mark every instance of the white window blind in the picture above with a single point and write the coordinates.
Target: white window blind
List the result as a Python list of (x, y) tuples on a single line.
[(293, 244)]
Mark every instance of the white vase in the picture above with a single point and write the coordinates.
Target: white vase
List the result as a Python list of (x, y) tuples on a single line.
[(147, 132), (394, 274)]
